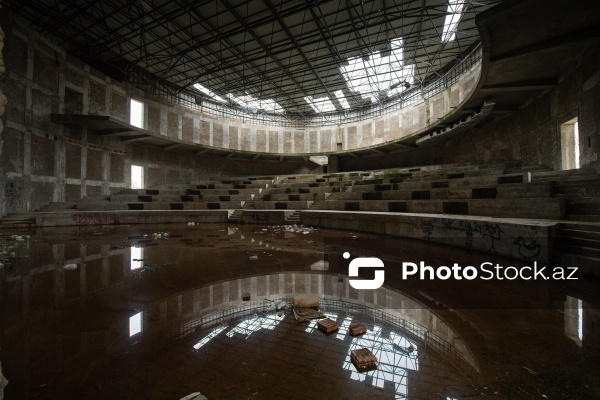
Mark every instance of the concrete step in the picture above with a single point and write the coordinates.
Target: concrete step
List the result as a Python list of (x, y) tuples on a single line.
[(585, 264), (591, 227), (582, 217), (579, 250), (580, 234), (593, 243)]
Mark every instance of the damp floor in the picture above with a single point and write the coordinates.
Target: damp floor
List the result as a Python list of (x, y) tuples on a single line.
[(161, 311)]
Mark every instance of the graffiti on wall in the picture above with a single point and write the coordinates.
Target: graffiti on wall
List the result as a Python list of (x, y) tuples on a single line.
[(260, 218), (93, 218), (86, 231)]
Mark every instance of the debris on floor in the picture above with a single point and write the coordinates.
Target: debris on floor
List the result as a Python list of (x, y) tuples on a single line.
[(306, 314), (307, 302), (327, 325), (363, 359), (194, 396), (357, 329), (70, 267), (160, 235), (253, 258)]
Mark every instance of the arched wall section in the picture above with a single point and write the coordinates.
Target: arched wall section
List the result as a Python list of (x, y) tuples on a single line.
[(191, 125)]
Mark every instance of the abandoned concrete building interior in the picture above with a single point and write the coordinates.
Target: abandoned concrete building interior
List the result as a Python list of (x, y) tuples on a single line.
[(291, 199)]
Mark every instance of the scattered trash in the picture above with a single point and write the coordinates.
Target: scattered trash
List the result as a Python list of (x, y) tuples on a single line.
[(306, 302), (532, 372), (357, 329), (327, 325), (280, 305), (160, 235), (194, 396), (70, 267), (191, 223), (306, 314), (253, 258), (363, 359)]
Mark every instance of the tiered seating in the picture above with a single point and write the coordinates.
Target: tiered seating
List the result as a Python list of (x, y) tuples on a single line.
[(211, 195), (484, 190)]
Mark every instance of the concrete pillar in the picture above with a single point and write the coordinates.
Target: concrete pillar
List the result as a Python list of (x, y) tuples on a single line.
[(333, 164)]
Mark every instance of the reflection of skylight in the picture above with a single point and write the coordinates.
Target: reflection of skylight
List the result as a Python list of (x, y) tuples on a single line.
[(393, 359), (209, 336), (455, 9), (209, 92), (376, 75), (574, 319), (253, 103), (249, 326), (341, 99), (137, 255), (321, 104), (135, 324)]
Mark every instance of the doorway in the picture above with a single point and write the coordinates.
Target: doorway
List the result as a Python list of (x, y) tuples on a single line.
[(569, 143), (137, 177)]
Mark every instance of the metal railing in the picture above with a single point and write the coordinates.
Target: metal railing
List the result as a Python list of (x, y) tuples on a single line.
[(406, 99)]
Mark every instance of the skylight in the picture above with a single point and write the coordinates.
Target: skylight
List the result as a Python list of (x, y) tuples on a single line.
[(321, 104), (253, 103), (342, 99), (377, 76), (455, 10), (209, 93)]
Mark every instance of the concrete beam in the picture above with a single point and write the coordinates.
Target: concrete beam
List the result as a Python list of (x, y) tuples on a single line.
[(134, 138), (567, 39), (170, 146), (532, 84)]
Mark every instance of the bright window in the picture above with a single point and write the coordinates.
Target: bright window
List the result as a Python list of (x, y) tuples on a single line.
[(136, 113), (137, 177)]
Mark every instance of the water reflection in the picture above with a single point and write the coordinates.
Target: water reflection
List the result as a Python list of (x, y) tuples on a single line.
[(120, 302), (396, 352)]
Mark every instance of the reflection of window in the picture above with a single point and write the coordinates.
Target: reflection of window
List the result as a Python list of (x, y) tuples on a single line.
[(136, 113), (574, 320), (137, 258), (135, 324)]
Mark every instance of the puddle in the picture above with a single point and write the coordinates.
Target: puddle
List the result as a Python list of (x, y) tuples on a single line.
[(161, 311)]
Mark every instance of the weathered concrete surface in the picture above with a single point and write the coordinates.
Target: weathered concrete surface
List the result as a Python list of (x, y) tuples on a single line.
[(507, 237), (521, 239)]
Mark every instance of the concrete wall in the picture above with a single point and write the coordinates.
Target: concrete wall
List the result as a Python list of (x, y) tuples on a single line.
[(531, 135), (43, 162)]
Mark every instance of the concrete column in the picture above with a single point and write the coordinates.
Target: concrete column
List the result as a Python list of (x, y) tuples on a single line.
[(333, 164), (106, 173)]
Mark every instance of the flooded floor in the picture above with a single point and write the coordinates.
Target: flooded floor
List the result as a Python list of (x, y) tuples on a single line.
[(161, 311)]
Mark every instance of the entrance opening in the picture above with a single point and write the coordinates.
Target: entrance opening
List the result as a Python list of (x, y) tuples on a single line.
[(136, 113), (569, 132), (137, 177)]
